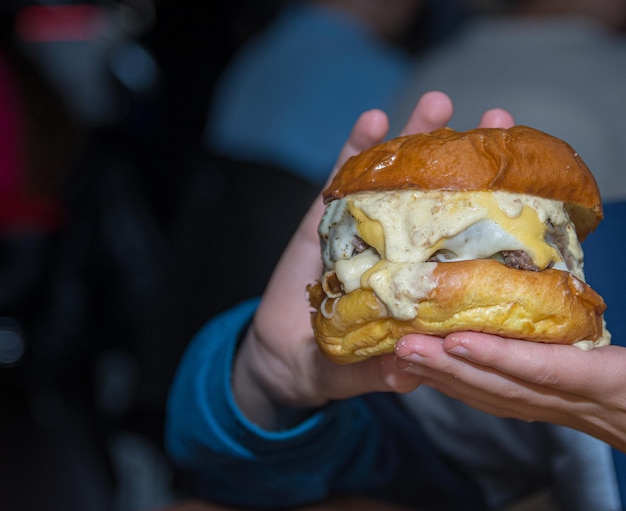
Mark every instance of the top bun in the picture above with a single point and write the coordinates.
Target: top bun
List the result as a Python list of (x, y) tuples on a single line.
[(518, 160)]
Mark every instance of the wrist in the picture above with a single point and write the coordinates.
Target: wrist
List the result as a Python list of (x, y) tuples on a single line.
[(264, 389)]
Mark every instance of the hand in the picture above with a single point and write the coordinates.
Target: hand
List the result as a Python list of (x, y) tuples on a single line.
[(279, 367), (584, 390)]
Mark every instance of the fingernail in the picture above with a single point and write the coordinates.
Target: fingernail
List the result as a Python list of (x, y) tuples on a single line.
[(413, 358), (457, 347)]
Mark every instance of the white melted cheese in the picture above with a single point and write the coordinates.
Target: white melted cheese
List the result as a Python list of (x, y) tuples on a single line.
[(400, 286), (408, 227), (350, 271)]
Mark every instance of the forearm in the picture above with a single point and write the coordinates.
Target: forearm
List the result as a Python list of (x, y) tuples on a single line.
[(258, 388), (238, 462)]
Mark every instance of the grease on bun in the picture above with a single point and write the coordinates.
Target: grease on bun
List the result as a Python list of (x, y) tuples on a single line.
[(450, 231)]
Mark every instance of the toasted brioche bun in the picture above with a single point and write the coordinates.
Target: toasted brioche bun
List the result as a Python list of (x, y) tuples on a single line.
[(478, 295)]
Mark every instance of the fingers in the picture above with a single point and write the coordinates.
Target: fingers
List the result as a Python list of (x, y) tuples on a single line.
[(561, 367), (482, 387), (496, 118), (433, 110), (424, 355), (370, 128), (521, 379), (485, 360)]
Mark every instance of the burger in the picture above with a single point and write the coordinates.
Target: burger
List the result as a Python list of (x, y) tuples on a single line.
[(452, 231)]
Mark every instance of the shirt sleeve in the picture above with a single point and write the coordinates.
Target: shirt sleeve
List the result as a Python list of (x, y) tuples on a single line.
[(238, 463)]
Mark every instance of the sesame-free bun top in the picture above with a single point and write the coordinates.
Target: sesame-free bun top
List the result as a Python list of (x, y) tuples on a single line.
[(518, 160)]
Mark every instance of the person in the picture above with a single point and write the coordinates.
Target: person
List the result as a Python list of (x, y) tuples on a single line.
[(294, 428), (272, 101)]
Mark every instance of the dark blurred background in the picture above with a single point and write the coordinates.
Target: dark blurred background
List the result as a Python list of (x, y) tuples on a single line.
[(120, 234), (122, 231)]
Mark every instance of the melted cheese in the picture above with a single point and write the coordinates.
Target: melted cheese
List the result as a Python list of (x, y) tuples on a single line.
[(400, 286), (412, 226), (408, 227), (350, 271), (370, 231)]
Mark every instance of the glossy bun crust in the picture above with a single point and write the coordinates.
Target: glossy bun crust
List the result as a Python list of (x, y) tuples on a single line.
[(518, 159), (480, 295)]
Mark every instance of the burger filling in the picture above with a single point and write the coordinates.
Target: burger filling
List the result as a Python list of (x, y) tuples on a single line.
[(390, 242)]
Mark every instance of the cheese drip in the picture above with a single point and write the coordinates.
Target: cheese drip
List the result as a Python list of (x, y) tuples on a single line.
[(408, 227), (411, 226)]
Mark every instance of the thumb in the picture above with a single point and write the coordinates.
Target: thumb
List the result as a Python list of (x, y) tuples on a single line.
[(376, 374)]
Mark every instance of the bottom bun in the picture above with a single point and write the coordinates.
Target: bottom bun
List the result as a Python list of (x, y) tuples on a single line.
[(549, 306)]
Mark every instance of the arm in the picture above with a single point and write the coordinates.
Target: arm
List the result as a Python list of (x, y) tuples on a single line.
[(208, 435), (353, 447)]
